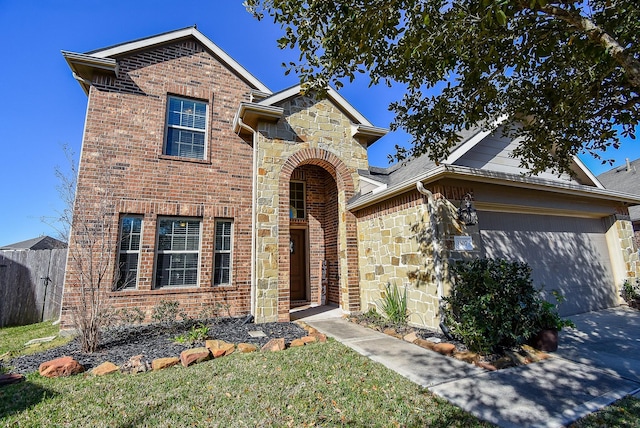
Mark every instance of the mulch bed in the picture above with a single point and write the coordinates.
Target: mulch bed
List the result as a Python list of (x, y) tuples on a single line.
[(153, 341)]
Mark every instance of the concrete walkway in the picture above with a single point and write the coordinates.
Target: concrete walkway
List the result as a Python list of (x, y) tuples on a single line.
[(596, 364)]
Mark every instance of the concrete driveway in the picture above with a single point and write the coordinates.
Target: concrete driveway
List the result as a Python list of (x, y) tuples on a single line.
[(607, 339), (596, 364)]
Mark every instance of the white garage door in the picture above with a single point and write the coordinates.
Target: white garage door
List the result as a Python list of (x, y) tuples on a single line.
[(565, 254)]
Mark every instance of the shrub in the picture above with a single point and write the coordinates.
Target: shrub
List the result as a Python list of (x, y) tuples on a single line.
[(631, 290), (167, 312), (196, 334), (394, 304), (493, 304)]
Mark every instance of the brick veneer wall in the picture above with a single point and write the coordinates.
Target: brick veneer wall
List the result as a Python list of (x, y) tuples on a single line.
[(321, 223), (122, 152)]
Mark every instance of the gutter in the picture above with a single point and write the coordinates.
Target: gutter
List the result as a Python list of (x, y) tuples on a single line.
[(493, 177), (251, 112)]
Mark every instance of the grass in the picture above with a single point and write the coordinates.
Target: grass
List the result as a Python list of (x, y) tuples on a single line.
[(13, 339), (623, 413), (318, 385)]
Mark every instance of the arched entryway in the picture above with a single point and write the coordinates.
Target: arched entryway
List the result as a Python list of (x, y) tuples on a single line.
[(313, 245), (317, 235)]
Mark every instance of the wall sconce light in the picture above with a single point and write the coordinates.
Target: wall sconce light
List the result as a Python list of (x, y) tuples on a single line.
[(467, 213)]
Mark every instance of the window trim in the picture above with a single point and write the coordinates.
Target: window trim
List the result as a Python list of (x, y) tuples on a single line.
[(158, 252), (118, 287), (304, 200), (230, 251), (205, 131)]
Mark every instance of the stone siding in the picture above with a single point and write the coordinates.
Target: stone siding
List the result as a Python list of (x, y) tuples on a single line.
[(396, 246), (312, 132)]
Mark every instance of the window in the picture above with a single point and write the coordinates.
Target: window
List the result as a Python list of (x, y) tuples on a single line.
[(222, 262), (296, 200), (129, 252), (178, 252), (186, 128)]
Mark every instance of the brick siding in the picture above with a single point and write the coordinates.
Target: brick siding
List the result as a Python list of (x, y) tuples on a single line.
[(122, 151)]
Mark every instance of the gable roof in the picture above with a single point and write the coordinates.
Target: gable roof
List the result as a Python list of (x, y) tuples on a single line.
[(625, 178), (402, 177), (103, 60), (332, 95), (268, 109), (39, 243)]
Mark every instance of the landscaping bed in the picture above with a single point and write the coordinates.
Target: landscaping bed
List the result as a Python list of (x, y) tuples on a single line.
[(429, 338), (158, 340)]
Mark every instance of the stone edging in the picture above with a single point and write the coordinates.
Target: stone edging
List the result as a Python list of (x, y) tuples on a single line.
[(526, 355), (67, 366)]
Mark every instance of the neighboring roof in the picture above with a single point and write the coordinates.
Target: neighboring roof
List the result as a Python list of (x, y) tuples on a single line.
[(85, 65), (40, 243), (625, 178)]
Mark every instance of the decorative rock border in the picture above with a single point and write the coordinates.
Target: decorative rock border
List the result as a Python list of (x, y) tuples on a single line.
[(214, 348), (525, 355)]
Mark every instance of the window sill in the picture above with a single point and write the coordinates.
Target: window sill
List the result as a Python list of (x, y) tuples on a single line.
[(183, 159), (166, 290)]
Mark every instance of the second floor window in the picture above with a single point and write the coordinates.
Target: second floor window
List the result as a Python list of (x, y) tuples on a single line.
[(186, 128)]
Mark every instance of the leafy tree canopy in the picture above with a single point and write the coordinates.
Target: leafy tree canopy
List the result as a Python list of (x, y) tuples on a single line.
[(567, 71)]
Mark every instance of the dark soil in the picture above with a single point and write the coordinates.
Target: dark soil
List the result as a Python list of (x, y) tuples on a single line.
[(153, 341)]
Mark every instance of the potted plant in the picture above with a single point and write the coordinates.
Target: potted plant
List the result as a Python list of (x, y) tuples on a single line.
[(548, 323)]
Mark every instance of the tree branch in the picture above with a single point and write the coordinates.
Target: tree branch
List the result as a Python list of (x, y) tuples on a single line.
[(597, 34)]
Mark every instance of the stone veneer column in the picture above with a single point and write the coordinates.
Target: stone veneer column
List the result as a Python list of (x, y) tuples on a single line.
[(624, 255), (311, 133)]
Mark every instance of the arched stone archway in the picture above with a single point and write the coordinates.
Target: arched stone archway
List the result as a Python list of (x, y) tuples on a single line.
[(347, 251)]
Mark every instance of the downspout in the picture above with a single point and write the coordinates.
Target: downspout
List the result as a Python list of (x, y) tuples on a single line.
[(254, 188), (432, 209), (81, 79)]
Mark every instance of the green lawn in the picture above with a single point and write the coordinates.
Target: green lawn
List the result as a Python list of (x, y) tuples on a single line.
[(622, 414), (13, 339), (317, 385)]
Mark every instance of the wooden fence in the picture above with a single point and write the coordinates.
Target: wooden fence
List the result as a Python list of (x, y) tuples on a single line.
[(31, 285)]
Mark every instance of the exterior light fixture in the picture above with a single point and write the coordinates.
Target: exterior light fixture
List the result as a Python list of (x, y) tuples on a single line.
[(467, 213)]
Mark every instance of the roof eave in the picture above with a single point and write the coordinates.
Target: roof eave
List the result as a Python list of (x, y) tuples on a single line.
[(84, 67), (370, 134), (251, 114), (482, 176)]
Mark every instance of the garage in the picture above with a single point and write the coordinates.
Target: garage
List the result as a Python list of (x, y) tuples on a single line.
[(567, 254)]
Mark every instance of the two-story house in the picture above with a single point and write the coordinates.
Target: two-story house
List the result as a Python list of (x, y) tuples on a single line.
[(222, 192)]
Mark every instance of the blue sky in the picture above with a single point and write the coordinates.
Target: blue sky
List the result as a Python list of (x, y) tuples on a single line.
[(44, 106)]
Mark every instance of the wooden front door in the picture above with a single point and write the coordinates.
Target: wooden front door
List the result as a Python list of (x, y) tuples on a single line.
[(298, 265)]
